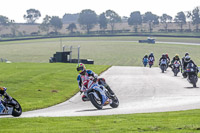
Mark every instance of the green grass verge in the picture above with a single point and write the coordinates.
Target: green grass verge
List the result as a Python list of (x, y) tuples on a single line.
[(39, 85), (168, 122), (103, 50)]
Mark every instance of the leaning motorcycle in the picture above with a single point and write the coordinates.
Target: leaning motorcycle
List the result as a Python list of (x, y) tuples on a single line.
[(163, 65), (151, 60), (98, 95), (191, 72), (9, 105), (176, 67)]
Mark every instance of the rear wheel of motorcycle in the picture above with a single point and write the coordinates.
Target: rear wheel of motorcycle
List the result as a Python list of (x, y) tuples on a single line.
[(17, 110), (115, 102), (94, 101)]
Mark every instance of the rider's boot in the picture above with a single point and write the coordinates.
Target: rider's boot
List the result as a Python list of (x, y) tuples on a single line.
[(84, 98)]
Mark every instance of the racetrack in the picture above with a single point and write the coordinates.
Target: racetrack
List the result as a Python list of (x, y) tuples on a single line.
[(139, 90)]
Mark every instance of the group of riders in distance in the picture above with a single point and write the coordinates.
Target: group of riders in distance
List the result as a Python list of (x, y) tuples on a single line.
[(187, 67)]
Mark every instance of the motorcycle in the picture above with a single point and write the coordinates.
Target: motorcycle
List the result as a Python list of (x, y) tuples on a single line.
[(9, 105), (145, 61), (176, 67), (98, 95), (151, 60), (163, 65), (191, 72)]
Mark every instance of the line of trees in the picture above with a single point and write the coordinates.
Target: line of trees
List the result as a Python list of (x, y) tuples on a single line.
[(88, 19)]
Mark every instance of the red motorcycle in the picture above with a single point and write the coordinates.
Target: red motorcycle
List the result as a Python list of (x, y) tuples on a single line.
[(151, 60)]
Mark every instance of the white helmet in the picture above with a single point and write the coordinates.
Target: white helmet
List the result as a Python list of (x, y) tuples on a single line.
[(187, 58)]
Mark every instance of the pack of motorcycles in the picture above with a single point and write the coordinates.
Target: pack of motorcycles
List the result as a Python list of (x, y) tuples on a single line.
[(98, 94), (191, 71)]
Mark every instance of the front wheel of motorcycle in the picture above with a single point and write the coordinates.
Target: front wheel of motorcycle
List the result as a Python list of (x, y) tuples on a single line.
[(95, 102), (194, 85), (17, 110), (115, 102)]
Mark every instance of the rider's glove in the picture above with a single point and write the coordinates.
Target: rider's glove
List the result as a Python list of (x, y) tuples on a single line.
[(83, 88)]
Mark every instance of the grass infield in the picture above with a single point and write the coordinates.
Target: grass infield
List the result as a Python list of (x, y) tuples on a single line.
[(168, 122), (122, 51), (39, 85)]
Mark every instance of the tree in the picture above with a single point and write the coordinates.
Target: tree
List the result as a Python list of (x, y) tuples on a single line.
[(165, 19), (151, 19), (103, 21), (87, 19), (14, 28), (195, 16), (189, 17), (180, 19), (45, 24), (71, 27), (56, 23), (70, 18), (112, 18), (32, 15), (135, 19), (4, 22)]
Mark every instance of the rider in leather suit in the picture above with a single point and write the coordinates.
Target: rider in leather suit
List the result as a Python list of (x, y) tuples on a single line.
[(84, 74)]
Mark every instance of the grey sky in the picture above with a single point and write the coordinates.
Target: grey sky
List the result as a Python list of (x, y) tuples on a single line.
[(15, 9)]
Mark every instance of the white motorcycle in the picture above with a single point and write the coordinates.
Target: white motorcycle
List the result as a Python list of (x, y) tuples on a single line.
[(176, 67), (98, 95), (163, 65)]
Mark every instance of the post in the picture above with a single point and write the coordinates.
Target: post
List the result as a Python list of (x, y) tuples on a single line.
[(78, 53), (70, 56), (61, 44)]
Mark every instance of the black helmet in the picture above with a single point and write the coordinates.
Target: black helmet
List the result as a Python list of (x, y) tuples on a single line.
[(187, 58), (186, 53)]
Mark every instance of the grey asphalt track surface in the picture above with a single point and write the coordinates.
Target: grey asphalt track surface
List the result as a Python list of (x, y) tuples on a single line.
[(139, 90)]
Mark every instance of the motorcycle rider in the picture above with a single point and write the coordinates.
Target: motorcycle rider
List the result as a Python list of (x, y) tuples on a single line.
[(151, 55), (145, 56), (162, 58), (175, 58), (183, 59), (84, 75), (187, 60), (145, 59), (168, 59), (3, 93)]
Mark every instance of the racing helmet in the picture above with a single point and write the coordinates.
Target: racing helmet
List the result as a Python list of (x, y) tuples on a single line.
[(186, 53), (80, 68), (187, 58), (176, 56)]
